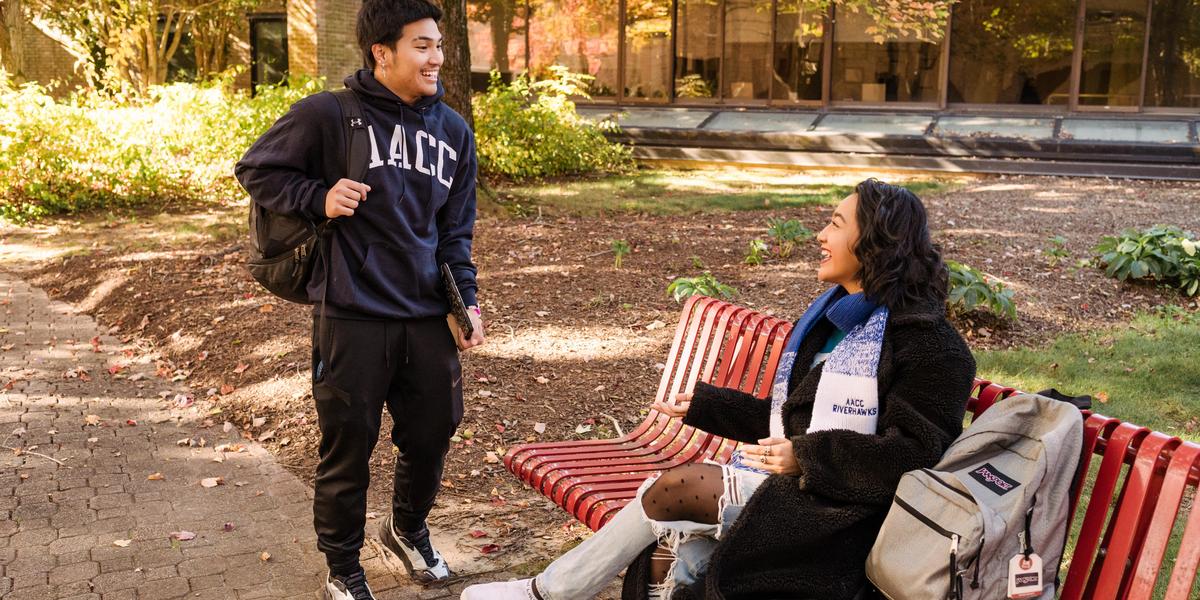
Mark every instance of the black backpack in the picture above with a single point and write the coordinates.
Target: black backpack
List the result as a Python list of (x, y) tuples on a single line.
[(282, 246)]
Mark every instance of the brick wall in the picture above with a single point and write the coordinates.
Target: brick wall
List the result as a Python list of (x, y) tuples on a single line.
[(302, 37), (337, 45), (45, 60)]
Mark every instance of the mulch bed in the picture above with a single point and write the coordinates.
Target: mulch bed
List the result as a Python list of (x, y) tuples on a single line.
[(574, 343)]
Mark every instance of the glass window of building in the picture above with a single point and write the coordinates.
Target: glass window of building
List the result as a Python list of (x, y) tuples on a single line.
[(1173, 75), (799, 45), (648, 50), (875, 63), (580, 35), (496, 30), (697, 49), (1012, 51), (268, 51), (747, 50), (1114, 37), (181, 66)]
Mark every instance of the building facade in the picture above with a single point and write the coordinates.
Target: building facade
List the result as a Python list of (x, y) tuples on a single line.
[(1035, 56)]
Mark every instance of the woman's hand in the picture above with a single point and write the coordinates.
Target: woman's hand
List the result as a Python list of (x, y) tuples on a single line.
[(677, 407), (773, 455)]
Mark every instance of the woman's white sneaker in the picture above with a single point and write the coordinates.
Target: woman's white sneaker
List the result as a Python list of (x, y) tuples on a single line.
[(521, 589)]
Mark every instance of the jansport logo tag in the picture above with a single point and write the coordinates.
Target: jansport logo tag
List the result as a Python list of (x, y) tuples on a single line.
[(993, 479)]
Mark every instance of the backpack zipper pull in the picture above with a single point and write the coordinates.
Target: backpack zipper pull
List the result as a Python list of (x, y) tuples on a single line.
[(955, 578), (1027, 535)]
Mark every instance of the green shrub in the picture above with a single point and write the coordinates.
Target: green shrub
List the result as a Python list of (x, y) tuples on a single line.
[(705, 285), (620, 248), (529, 129), (91, 151), (971, 289), (754, 254), (1057, 250), (1161, 253), (787, 233)]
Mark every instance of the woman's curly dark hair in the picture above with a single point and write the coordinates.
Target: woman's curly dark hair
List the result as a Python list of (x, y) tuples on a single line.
[(900, 264)]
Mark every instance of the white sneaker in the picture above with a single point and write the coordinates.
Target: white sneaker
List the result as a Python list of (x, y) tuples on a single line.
[(422, 561), (353, 587), (521, 589)]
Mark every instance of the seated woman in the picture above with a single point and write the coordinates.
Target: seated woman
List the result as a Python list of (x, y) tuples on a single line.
[(873, 382)]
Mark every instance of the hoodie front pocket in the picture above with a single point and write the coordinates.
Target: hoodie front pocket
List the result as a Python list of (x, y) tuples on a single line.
[(399, 274)]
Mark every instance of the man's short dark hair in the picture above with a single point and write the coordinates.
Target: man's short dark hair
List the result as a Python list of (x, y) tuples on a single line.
[(383, 21)]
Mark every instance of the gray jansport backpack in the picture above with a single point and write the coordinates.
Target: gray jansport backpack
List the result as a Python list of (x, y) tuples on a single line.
[(1003, 488), (282, 246)]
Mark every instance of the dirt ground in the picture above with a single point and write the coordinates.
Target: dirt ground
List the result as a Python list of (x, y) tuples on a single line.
[(574, 344)]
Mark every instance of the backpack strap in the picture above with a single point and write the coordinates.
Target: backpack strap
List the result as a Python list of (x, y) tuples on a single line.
[(358, 151)]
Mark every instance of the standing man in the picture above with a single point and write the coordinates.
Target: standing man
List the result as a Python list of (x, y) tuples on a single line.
[(384, 338)]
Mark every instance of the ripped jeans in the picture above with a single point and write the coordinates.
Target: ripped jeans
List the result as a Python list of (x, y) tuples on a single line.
[(584, 571)]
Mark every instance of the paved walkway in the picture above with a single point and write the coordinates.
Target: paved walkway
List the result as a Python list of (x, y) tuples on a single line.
[(100, 524)]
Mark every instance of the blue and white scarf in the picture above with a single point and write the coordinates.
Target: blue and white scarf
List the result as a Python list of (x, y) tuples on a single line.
[(848, 393)]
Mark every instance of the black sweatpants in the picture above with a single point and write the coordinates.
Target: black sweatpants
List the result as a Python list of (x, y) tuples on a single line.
[(412, 367)]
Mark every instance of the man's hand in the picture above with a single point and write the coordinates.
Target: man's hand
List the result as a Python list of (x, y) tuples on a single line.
[(476, 338), (343, 199), (677, 407), (773, 455)]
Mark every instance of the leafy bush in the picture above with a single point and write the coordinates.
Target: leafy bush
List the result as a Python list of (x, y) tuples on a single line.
[(620, 248), (754, 254), (1161, 253), (787, 233), (90, 151), (971, 289), (1057, 250), (705, 285), (529, 129)]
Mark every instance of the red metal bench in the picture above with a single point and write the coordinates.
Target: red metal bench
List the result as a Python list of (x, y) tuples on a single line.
[(1137, 490)]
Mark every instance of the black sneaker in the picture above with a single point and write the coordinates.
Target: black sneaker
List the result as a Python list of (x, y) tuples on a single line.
[(424, 564), (348, 587)]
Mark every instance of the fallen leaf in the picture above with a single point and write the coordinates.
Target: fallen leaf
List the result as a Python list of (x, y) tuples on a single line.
[(155, 477), (539, 427), (131, 422), (227, 427), (265, 556), (93, 440), (183, 536), (541, 379), (212, 482), (241, 368), (7, 347), (92, 420), (491, 458), (266, 308), (83, 376), (542, 313), (582, 428), (202, 356), (226, 389), (116, 368), (20, 431), (266, 435), (490, 549), (484, 393), (96, 344), (122, 543), (183, 400), (259, 422), (476, 533), (499, 428), (655, 325), (1102, 397)]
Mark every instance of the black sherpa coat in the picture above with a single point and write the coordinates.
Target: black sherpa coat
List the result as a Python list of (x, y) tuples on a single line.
[(808, 536)]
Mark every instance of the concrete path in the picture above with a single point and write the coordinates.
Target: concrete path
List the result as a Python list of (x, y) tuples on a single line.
[(103, 480)]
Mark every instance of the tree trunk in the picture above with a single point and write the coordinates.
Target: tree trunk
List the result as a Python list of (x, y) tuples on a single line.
[(456, 70), (502, 22), (10, 37)]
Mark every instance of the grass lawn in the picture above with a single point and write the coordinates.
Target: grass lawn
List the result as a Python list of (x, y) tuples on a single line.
[(673, 192), (1147, 373)]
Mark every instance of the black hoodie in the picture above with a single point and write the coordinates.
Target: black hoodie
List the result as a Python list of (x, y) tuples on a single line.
[(420, 212)]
